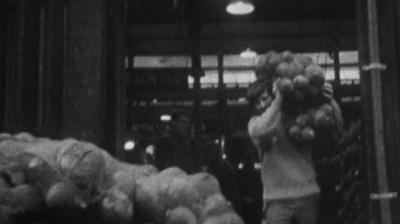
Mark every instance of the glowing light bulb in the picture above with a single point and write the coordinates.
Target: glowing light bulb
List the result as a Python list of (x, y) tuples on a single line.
[(240, 7), (129, 145)]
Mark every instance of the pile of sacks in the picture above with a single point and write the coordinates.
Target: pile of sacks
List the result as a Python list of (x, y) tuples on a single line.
[(75, 181), (303, 87)]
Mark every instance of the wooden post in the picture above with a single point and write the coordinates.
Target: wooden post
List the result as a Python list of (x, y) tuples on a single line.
[(221, 85), (51, 67), (388, 12), (84, 81), (336, 67), (116, 77), (381, 99), (365, 80), (195, 33), (377, 111), (22, 67), (195, 29), (4, 35)]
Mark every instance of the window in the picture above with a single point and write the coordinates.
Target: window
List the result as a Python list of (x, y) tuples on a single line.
[(239, 72)]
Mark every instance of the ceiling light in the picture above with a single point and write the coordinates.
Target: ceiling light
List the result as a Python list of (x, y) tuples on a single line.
[(248, 53), (240, 7), (129, 145), (165, 117)]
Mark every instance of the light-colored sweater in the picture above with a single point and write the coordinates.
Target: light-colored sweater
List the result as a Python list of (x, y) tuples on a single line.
[(287, 170)]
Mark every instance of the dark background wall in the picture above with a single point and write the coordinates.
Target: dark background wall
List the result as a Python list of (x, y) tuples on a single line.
[(61, 63)]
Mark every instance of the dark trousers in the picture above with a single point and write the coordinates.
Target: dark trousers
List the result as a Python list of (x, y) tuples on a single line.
[(292, 211)]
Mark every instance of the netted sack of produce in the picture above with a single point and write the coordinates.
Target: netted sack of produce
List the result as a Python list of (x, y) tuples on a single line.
[(298, 78), (137, 171), (12, 171), (148, 205), (302, 130), (182, 192), (116, 207), (286, 87), (227, 218), (205, 184), (5, 136), (314, 124), (167, 189), (216, 205), (12, 147), (49, 149), (180, 215), (289, 66), (171, 172), (323, 118), (65, 196), (124, 181), (23, 197), (266, 65), (300, 92), (45, 148), (8, 215), (302, 135), (59, 192), (145, 170), (25, 136), (316, 77), (306, 97), (304, 60), (302, 88), (83, 164), (151, 192), (4, 183)]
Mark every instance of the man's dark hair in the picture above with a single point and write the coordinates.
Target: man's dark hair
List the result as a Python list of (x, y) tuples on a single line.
[(256, 89)]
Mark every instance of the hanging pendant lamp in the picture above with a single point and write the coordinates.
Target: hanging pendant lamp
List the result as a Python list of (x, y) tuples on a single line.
[(240, 7)]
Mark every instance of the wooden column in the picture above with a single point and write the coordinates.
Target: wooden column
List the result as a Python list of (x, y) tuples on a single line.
[(195, 33), (51, 67), (195, 28), (388, 13), (5, 8), (84, 82), (116, 76), (379, 38), (221, 85), (365, 80), (22, 67), (336, 67)]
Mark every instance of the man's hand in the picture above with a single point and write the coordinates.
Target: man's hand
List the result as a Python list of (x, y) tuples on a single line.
[(275, 90)]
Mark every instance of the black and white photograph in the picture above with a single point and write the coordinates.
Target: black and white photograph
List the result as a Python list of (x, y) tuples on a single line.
[(199, 111)]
